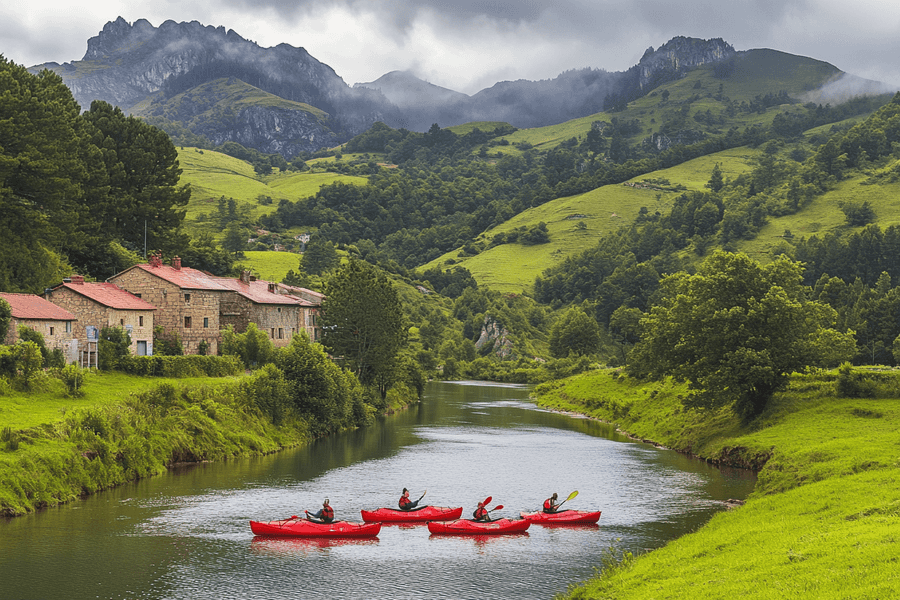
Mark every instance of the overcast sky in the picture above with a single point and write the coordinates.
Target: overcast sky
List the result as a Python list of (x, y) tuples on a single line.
[(468, 45)]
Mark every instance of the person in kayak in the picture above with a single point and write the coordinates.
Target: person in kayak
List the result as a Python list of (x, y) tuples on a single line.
[(407, 504), (550, 504), (323, 515), (481, 513)]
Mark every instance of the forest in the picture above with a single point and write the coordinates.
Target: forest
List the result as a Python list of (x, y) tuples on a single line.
[(90, 192)]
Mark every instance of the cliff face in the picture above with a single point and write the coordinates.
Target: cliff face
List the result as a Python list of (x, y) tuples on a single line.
[(164, 71), (678, 55), (132, 65)]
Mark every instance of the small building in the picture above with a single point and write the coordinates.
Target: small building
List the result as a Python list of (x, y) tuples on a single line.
[(255, 301), (310, 307), (53, 322), (103, 304), (187, 300)]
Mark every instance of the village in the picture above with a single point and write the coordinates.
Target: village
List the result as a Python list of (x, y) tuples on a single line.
[(191, 304)]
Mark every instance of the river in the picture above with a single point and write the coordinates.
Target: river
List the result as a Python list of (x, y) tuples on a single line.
[(185, 534)]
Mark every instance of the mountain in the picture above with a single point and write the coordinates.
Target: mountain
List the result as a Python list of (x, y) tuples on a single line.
[(195, 80), (152, 71), (570, 95)]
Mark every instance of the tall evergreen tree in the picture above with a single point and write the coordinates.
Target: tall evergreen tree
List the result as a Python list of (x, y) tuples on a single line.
[(363, 322)]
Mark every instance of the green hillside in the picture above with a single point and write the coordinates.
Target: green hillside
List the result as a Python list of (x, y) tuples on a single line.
[(217, 98), (213, 175), (513, 267), (751, 74)]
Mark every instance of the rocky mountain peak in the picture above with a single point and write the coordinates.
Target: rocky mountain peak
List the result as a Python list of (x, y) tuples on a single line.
[(678, 55)]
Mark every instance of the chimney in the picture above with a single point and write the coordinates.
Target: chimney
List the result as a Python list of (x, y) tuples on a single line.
[(245, 277), (78, 279), (176, 263), (271, 288), (156, 260), (253, 278)]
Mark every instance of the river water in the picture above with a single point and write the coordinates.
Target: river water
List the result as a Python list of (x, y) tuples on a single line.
[(186, 534)]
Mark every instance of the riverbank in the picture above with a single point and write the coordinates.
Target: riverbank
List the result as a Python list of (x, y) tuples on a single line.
[(822, 521), (55, 449)]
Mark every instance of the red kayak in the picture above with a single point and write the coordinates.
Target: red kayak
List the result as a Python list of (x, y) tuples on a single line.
[(304, 528), (563, 516), (426, 513), (467, 527)]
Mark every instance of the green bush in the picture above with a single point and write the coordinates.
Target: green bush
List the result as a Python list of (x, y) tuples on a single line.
[(193, 365)]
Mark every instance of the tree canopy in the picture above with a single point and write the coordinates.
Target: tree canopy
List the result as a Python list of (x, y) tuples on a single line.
[(363, 322), (736, 330)]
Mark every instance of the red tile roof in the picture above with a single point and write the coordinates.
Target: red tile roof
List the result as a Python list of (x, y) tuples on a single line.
[(109, 294), (29, 306), (258, 292), (185, 277)]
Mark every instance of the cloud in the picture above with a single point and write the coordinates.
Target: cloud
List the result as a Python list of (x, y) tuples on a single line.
[(471, 44)]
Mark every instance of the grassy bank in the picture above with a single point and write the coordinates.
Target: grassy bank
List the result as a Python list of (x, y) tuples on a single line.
[(54, 449), (824, 519)]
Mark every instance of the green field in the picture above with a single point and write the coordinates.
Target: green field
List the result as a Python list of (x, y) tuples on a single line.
[(271, 266), (822, 522), (213, 175), (512, 268)]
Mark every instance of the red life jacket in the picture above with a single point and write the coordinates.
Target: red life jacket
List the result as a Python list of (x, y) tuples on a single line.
[(405, 501), (480, 513), (548, 505), (327, 513)]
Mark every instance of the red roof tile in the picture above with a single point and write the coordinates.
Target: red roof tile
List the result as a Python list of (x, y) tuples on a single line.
[(185, 277), (109, 294), (257, 291), (29, 306)]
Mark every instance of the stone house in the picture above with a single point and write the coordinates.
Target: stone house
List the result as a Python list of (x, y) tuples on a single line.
[(255, 301), (53, 322), (187, 300), (310, 307), (103, 304)]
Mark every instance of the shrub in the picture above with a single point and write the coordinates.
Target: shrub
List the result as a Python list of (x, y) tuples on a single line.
[(193, 365)]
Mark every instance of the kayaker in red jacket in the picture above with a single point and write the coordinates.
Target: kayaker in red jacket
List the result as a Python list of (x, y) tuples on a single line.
[(481, 513), (550, 504), (407, 504), (323, 515)]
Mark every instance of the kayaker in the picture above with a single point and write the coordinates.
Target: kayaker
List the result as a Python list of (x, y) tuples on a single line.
[(481, 513), (550, 504), (323, 515), (406, 503)]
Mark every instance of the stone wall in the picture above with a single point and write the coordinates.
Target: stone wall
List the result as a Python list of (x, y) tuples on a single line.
[(139, 323), (193, 314), (279, 321)]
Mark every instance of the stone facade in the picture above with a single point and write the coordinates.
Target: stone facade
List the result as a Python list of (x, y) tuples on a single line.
[(54, 323), (187, 300), (100, 305), (254, 301)]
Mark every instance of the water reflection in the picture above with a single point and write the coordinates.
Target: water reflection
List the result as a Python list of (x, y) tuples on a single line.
[(187, 535)]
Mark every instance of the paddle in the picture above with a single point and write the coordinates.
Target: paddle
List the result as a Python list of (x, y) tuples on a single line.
[(422, 496), (572, 495), (498, 507)]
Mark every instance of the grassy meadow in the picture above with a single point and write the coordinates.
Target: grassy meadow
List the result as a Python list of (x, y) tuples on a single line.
[(822, 521), (512, 268), (213, 175)]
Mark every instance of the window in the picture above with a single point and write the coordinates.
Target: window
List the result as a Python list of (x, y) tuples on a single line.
[(206, 321), (140, 321), (187, 322), (51, 330), (187, 297), (280, 333), (68, 326), (272, 335), (121, 322)]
